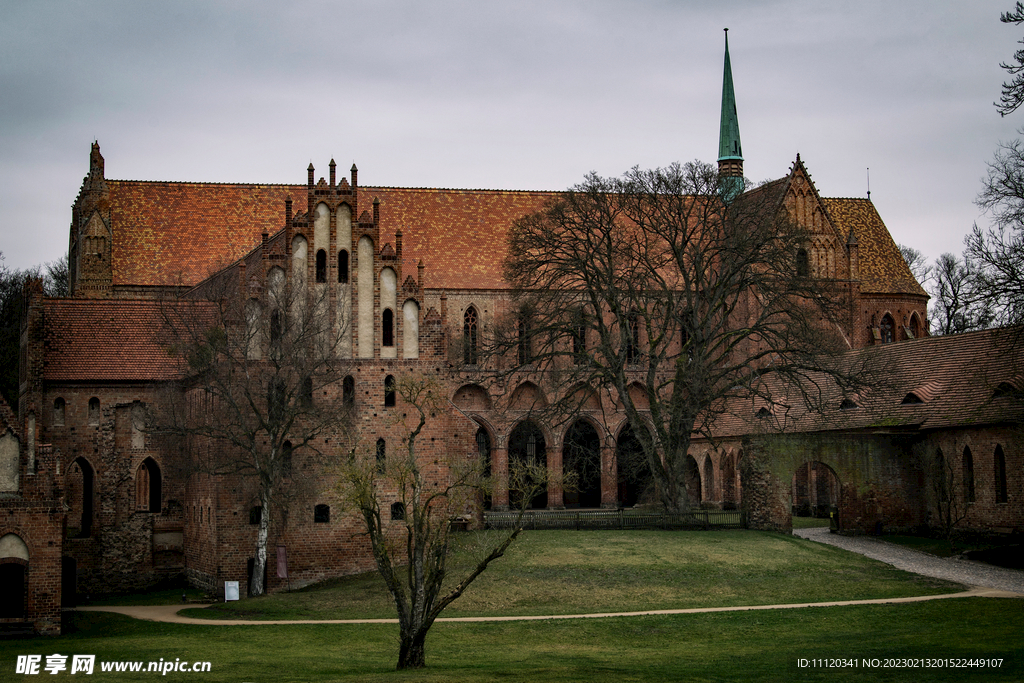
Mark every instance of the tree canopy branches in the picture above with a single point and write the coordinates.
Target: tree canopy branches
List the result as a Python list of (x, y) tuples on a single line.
[(677, 304)]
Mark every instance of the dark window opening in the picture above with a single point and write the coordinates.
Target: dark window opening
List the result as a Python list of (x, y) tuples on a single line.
[(94, 411), (382, 456), (389, 391), (803, 263), (388, 328), (968, 471), (321, 266), (286, 456), (1000, 465), (306, 394), (397, 512), (256, 514), (58, 412), (343, 266), (348, 391), (322, 514), (887, 329)]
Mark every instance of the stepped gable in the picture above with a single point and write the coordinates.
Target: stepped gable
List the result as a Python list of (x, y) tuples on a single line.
[(107, 340), (882, 268)]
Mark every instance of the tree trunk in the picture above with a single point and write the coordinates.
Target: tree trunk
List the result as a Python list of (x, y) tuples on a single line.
[(412, 652), (259, 567)]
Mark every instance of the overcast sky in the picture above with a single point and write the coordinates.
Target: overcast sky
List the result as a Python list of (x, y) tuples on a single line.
[(499, 95)]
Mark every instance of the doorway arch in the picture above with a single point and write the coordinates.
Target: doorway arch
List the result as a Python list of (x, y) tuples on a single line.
[(526, 444), (581, 455)]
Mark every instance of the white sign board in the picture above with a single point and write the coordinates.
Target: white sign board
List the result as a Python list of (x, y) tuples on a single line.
[(230, 590)]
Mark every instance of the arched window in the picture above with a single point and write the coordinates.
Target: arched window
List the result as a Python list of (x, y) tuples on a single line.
[(1000, 467), (915, 326), (388, 328), (525, 353), (633, 338), (968, 467), (803, 263), (148, 486), (887, 329), (348, 390), (389, 391), (94, 411), (321, 265), (306, 393), (58, 412), (469, 321), (322, 514), (276, 329), (343, 266), (382, 455)]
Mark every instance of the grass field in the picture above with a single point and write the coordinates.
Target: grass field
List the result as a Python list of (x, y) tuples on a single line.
[(566, 572), (560, 572)]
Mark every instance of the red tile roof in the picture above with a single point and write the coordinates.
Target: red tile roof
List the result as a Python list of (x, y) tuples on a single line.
[(179, 233), (106, 340), (956, 377), (882, 268)]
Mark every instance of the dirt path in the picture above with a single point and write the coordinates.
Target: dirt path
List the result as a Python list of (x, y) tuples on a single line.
[(169, 613)]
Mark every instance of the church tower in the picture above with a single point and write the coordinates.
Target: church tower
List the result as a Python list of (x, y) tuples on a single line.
[(730, 152)]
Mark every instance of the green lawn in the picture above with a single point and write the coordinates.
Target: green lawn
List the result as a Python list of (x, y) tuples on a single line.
[(735, 646), (567, 572)]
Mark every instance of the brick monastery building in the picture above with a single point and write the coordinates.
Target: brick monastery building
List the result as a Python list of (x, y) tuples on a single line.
[(90, 501)]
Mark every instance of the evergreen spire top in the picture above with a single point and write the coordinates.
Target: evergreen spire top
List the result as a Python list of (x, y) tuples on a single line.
[(729, 147)]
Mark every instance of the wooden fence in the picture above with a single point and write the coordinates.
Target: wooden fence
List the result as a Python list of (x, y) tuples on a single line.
[(616, 519)]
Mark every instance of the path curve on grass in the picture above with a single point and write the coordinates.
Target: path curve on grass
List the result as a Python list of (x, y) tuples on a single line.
[(169, 613), (967, 572)]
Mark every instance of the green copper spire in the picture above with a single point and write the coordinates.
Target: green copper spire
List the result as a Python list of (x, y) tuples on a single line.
[(730, 151)]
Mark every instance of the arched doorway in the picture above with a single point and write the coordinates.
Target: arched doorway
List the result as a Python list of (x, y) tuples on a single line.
[(483, 451), (634, 475), (581, 455), (526, 445), (13, 577), (79, 493), (815, 490), (692, 478)]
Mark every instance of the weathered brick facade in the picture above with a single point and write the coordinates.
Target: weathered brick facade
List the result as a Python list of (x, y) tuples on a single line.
[(405, 274)]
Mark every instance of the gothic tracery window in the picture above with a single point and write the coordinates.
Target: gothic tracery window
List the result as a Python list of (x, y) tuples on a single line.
[(469, 338), (887, 329)]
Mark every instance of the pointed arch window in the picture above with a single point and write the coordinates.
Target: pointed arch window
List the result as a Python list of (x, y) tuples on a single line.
[(343, 266), (633, 337), (469, 338), (1000, 475), (388, 328), (968, 471), (321, 265), (348, 390), (887, 329), (148, 486), (803, 263)]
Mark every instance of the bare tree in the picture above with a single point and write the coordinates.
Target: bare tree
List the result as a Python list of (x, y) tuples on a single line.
[(1013, 91), (918, 264), (250, 399), (956, 306), (951, 508), (432, 489), (674, 302)]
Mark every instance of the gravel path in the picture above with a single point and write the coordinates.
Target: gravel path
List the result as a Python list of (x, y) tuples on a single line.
[(967, 572)]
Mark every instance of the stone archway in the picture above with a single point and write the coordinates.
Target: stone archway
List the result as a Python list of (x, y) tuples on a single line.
[(815, 490), (581, 455), (526, 444), (633, 473)]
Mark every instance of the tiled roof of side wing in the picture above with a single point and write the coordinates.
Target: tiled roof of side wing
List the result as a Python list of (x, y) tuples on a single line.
[(957, 379), (106, 340), (882, 268)]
